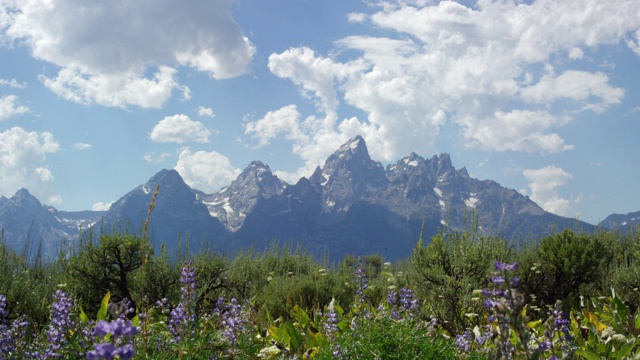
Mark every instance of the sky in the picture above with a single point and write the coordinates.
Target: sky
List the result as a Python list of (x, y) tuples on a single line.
[(541, 96)]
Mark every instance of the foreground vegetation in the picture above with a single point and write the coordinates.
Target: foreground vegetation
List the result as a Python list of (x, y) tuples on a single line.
[(460, 295)]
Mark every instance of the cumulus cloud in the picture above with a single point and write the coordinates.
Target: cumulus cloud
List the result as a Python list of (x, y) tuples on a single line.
[(282, 121), (544, 184), (9, 107), (205, 171), (485, 68), (105, 52), (101, 206), (518, 130), (179, 129), (22, 163), (576, 85), (205, 111)]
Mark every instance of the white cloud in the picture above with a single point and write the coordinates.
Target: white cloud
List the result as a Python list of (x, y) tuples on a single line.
[(486, 68), (13, 83), (205, 171), (518, 130), (105, 51), (575, 85), (179, 129), (576, 54), (10, 108), (101, 206), (314, 74), (205, 111), (118, 90), (82, 146), (22, 163), (282, 121), (544, 184)]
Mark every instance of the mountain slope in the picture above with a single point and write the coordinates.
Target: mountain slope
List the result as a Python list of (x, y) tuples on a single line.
[(177, 214), (622, 222), (232, 204), (31, 227)]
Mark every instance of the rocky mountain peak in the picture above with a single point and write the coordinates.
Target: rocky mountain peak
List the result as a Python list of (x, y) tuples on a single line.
[(349, 175), (24, 198), (171, 183), (232, 203)]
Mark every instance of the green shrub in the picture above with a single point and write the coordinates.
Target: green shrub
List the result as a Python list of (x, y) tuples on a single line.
[(446, 271)]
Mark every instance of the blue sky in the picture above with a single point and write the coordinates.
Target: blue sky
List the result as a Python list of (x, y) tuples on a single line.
[(541, 96)]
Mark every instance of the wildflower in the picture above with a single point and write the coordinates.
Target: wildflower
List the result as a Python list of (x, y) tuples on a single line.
[(361, 283), (407, 301), (230, 316), (10, 333), (3, 309), (331, 323), (119, 330), (183, 317), (500, 266), (60, 324), (463, 342)]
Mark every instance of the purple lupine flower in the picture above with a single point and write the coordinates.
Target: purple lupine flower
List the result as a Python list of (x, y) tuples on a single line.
[(331, 323), (336, 351), (392, 297), (60, 324), (407, 301), (188, 281), (119, 330), (10, 333), (183, 317), (463, 342), (487, 335), (361, 282), (500, 266), (232, 321), (178, 322), (102, 351), (3, 309)]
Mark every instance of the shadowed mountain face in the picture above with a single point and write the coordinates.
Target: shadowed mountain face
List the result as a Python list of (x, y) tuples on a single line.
[(178, 215), (32, 228), (622, 222), (351, 205)]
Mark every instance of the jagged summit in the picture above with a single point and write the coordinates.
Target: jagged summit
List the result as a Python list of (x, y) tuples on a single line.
[(349, 175), (232, 203)]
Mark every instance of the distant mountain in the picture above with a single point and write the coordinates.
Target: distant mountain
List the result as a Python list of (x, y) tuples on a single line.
[(353, 205), (232, 204), (622, 222), (350, 205), (178, 214), (31, 227)]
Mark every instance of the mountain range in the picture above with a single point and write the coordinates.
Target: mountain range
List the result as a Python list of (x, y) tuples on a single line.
[(351, 205)]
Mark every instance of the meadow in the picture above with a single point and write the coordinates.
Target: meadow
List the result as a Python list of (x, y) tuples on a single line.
[(459, 295)]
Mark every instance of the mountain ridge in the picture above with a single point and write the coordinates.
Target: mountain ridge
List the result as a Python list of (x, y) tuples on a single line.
[(350, 205)]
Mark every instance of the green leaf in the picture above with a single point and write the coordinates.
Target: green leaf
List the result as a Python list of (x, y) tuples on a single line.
[(534, 324), (587, 355), (83, 317), (301, 317), (314, 338), (135, 321), (296, 337), (104, 306), (280, 335)]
